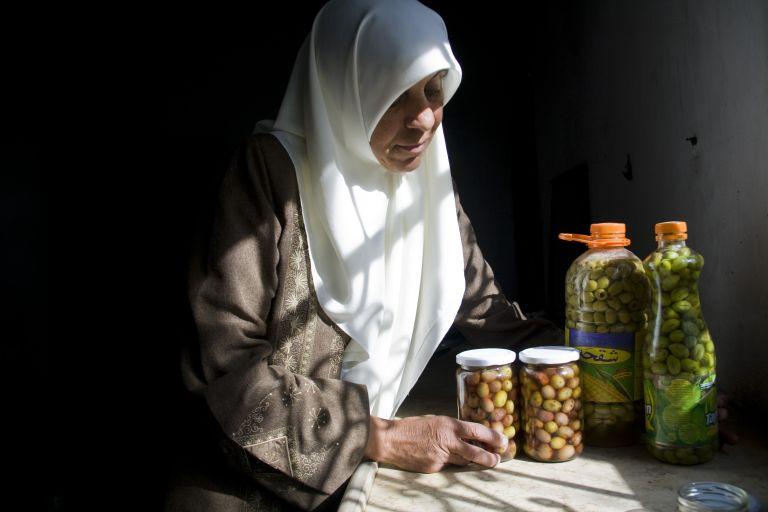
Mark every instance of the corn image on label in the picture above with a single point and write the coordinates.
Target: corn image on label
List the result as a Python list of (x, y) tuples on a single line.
[(609, 365)]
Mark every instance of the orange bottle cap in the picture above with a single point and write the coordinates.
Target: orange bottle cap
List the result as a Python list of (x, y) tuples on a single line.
[(608, 230), (603, 234), (671, 230)]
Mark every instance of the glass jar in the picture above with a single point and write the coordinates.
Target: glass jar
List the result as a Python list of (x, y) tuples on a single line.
[(486, 388), (679, 355), (606, 296), (551, 406), (711, 496)]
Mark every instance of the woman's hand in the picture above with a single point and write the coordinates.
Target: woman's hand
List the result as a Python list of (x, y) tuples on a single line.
[(726, 436), (428, 443)]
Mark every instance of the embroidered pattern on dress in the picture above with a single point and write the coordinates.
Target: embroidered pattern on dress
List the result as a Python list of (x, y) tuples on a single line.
[(298, 310), (338, 345), (252, 424), (305, 285), (290, 396), (300, 465), (319, 417), (309, 385), (308, 464)]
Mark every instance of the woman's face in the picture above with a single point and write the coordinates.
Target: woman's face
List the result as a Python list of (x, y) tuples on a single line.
[(407, 127)]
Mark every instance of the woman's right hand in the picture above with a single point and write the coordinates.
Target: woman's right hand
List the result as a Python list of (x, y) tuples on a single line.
[(427, 444)]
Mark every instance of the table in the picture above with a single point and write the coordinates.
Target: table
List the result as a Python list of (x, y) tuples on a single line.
[(601, 479)]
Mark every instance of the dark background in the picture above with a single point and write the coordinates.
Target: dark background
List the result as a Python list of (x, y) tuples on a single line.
[(119, 137)]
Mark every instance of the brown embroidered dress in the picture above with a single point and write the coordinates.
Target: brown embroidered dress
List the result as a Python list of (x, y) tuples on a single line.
[(268, 361)]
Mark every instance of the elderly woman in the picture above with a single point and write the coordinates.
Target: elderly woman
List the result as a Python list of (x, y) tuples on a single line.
[(339, 258)]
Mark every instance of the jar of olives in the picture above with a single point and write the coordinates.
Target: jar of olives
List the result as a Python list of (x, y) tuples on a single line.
[(606, 295), (487, 392), (679, 355), (550, 384)]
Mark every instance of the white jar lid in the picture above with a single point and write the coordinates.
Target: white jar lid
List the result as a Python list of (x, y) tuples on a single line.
[(485, 357), (549, 355)]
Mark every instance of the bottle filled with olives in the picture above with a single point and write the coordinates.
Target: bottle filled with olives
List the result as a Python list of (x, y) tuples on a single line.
[(679, 355), (486, 388), (606, 296)]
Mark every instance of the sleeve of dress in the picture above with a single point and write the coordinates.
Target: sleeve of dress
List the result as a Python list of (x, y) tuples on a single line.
[(486, 318), (313, 431)]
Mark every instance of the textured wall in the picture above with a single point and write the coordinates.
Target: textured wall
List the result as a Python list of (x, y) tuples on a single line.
[(636, 80)]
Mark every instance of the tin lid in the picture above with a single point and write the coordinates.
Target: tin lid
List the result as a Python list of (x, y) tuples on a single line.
[(549, 355), (485, 357)]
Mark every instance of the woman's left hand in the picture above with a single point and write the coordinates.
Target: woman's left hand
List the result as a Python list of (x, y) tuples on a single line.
[(726, 436)]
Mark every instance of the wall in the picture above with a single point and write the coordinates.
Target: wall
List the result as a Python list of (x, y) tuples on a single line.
[(636, 80)]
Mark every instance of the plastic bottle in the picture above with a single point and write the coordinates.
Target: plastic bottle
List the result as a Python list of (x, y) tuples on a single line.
[(606, 294), (679, 355)]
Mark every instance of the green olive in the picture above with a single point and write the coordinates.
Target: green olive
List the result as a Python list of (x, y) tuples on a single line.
[(691, 328), (676, 336), (679, 294), (615, 288), (698, 353), (690, 365), (670, 325), (673, 364), (679, 350), (669, 282), (557, 442), (670, 255)]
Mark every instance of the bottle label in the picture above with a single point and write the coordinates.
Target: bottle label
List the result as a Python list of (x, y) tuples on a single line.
[(681, 412), (609, 365)]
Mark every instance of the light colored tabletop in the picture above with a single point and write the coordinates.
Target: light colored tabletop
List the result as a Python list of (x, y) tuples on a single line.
[(601, 479)]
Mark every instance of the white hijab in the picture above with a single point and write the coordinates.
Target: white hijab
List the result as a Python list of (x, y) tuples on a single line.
[(385, 249)]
